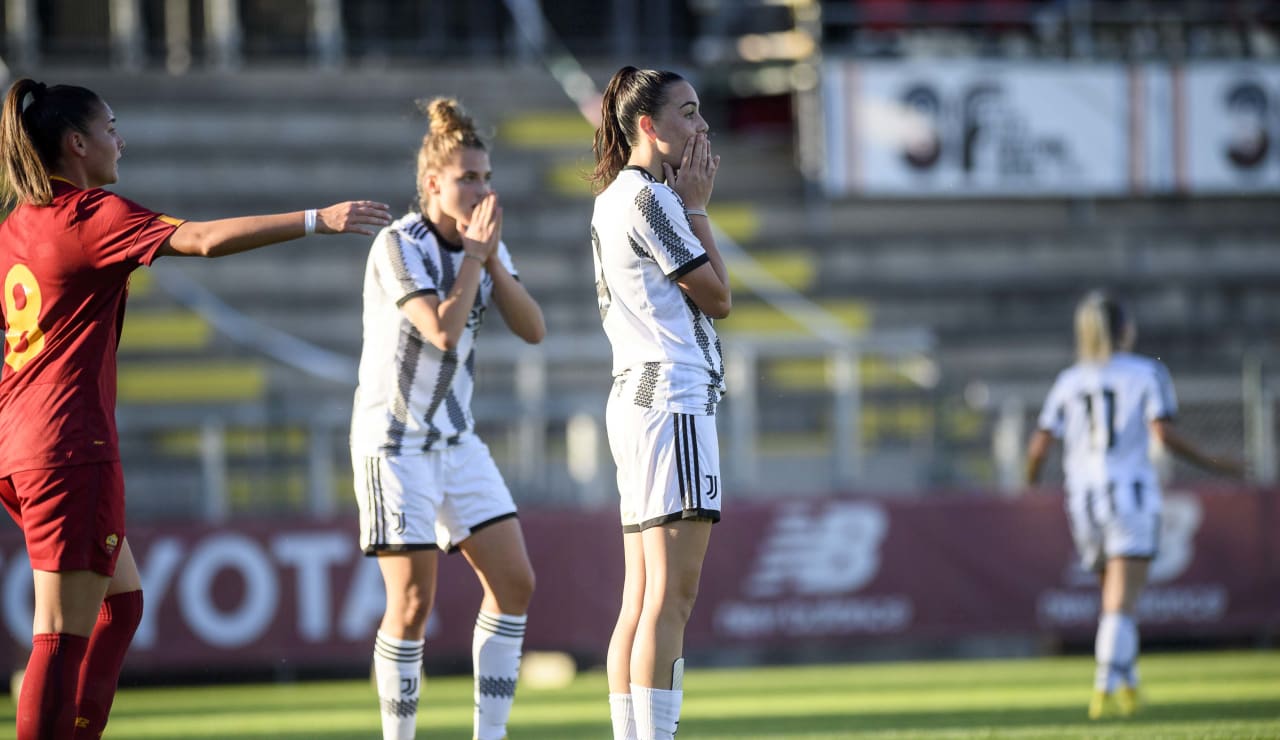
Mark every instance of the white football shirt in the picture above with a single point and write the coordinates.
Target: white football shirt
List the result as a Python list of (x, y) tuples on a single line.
[(1101, 412), (666, 354), (412, 396)]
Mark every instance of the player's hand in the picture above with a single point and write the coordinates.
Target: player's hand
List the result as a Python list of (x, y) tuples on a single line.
[(696, 178), (484, 231), (353, 217)]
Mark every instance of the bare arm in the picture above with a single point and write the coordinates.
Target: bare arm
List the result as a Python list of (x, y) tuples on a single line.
[(1037, 451), (707, 285), (1162, 429), (442, 322), (521, 312), (234, 235)]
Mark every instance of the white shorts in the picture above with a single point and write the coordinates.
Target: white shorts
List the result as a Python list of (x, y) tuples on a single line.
[(1115, 520), (668, 464), (436, 499)]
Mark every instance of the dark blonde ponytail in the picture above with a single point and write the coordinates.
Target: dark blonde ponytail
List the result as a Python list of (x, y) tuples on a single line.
[(449, 129), (631, 93), (31, 137)]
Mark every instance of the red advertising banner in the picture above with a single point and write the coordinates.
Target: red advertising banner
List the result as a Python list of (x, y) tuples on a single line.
[(263, 594)]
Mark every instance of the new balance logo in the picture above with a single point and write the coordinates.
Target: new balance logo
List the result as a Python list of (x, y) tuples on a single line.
[(835, 549)]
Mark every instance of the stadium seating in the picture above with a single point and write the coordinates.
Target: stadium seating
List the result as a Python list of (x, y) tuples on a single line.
[(994, 281)]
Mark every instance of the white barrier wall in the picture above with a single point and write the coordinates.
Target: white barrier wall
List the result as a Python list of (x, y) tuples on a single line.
[(967, 128)]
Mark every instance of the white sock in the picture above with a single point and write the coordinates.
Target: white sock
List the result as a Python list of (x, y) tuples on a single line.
[(657, 712), (397, 670), (1116, 649), (1127, 646), (495, 655), (624, 719)]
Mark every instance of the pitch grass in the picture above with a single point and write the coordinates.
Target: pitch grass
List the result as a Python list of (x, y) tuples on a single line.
[(1190, 695)]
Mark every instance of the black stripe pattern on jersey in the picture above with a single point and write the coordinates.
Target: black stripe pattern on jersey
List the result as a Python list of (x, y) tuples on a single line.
[(410, 349), (638, 249), (657, 219), (399, 268), (418, 228), (448, 367), (647, 384), (603, 297), (704, 343)]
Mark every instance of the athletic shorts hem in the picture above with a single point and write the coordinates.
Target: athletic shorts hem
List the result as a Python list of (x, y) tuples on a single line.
[(711, 515), (374, 550), (53, 565), (452, 547)]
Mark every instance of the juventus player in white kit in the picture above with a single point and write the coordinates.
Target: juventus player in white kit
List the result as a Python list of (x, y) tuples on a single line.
[(424, 481), (1104, 408), (660, 281)]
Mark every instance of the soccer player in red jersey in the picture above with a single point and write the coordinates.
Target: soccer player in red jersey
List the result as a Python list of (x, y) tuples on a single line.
[(66, 253)]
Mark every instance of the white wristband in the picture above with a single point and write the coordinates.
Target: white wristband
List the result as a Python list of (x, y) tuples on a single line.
[(694, 212), (309, 221)]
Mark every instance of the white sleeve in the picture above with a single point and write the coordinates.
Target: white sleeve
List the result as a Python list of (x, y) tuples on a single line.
[(1162, 403), (665, 232), (1053, 416), (504, 256), (403, 271)]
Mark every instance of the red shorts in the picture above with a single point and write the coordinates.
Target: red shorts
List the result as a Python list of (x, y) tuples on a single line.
[(72, 518)]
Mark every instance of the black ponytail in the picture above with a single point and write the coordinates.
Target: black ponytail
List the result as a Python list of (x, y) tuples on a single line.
[(631, 93)]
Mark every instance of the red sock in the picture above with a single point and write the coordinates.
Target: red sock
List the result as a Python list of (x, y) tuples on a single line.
[(47, 706), (117, 621)]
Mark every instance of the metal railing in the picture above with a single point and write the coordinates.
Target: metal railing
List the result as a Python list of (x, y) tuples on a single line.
[(541, 410)]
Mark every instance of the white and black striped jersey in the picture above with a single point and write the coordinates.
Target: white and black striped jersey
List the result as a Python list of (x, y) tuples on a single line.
[(666, 354), (1101, 412), (412, 396)]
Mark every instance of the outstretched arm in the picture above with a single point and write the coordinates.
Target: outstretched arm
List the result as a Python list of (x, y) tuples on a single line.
[(233, 235), (1182, 447)]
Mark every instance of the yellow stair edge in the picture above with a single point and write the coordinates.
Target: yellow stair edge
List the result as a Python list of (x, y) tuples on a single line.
[(150, 330), (546, 130), (191, 382)]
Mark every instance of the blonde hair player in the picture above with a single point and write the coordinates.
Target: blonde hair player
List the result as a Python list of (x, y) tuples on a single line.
[(424, 481), (1104, 408), (660, 281)]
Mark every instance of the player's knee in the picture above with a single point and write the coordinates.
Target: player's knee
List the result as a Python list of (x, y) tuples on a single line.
[(677, 602), (413, 609), (517, 590)]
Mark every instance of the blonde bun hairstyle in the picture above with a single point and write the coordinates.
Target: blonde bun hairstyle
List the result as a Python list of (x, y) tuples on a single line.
[(449, 129)]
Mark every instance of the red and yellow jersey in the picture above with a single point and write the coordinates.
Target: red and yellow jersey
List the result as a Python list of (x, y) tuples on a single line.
[(66, 271)]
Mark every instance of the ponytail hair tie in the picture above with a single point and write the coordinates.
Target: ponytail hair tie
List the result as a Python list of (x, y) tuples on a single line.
[(36, 93)]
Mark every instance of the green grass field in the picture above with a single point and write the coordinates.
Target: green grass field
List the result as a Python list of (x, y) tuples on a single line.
[(1189, 695)]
